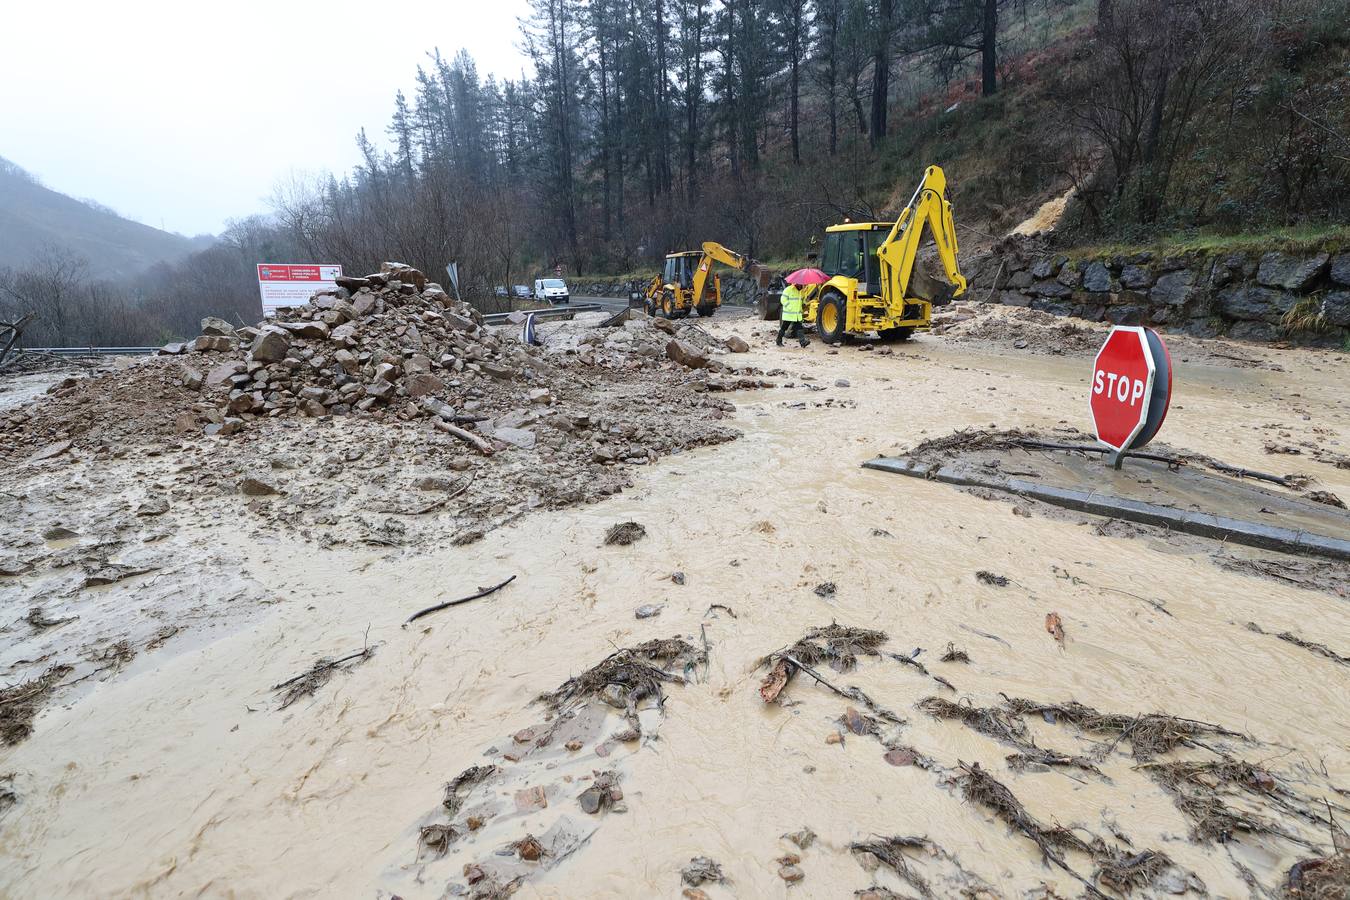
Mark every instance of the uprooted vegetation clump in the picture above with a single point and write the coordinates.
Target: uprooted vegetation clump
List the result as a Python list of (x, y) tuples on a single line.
[(1311, 646), (891, 852), (1205, 792), (1149, 734), (835, 644), (20, 704), (457, 787), (308, 682), (629, 676), (1319, 878)]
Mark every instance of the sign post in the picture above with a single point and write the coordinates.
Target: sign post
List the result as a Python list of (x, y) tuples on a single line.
[(1131, 389), (452, 270), (282, 284)]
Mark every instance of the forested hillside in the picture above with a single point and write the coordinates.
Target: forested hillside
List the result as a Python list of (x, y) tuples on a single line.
[(34, 217), (648, 127)]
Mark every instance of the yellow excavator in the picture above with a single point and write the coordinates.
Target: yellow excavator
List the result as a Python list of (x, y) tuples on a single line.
[(683, 285), (873, 283)]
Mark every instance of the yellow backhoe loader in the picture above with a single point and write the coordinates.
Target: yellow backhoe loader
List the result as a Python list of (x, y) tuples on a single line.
[(683, 285), (873, 283)]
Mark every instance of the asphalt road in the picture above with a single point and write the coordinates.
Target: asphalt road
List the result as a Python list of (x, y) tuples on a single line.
[(618, 303)]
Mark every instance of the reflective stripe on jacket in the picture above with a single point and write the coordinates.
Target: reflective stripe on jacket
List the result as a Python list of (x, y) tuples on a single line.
[(792, 304)]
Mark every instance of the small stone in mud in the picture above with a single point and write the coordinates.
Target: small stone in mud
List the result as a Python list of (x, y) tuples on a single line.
[(524, 735), (691, 893), (825, 589), (590, 801), (791, 874), (803, 839), (881, 532), (834, 737), (1019, 344), (900, 757), (473, 873), (841, 382), (59, 533), (474, 823), (256, 487), (624, 534), (573, 745), (529, 848), (623, 737), (530, 799), (1021, 511), (157, 506), (677, 577), (647, 611)]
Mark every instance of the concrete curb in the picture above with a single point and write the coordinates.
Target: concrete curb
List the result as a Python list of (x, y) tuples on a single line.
[(1221, 528)]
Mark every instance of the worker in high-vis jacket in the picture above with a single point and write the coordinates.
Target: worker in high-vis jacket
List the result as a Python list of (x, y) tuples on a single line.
[(790, 318)]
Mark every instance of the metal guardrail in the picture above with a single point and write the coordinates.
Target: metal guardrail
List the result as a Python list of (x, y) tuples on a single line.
[(553, 312), (91, 351)]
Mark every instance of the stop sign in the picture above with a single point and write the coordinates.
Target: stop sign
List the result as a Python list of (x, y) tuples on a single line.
[(1131, 387)]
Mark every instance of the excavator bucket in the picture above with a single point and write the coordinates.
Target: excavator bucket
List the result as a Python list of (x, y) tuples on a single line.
[(926, 287)]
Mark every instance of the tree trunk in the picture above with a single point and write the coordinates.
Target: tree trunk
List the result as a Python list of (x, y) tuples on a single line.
[(881, 70), (989, 49)]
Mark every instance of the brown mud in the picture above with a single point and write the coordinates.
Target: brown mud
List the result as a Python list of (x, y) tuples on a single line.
[(432, 767)]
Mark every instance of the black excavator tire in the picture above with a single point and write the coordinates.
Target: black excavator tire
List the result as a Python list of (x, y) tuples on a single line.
[(832, 300)]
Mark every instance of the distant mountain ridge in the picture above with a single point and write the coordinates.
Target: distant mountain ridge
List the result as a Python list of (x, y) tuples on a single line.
[(33, 216)]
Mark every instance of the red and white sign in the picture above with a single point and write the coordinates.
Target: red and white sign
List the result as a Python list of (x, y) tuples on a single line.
[(1131, 387), (293, 285)]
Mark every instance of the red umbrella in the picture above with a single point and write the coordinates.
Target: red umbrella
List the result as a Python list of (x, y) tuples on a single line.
[(803, 277)]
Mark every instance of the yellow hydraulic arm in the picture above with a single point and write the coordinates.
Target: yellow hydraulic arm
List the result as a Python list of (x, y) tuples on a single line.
[(715, 252), (901, 247)]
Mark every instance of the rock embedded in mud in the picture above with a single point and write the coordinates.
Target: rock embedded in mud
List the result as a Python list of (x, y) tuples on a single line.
[(647, 611), (531, 799), (700, 870), (791, 873), (737, 344), (677, 577), (256, 487), (686, 354)]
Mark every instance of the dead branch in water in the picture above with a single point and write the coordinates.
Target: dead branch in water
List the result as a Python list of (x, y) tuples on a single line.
[(317, 675), (440, 606)]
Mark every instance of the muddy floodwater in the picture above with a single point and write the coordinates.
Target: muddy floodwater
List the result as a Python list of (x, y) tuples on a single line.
[(180, 773)]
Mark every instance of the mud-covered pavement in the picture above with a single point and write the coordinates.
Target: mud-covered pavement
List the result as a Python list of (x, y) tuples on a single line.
[(177, 771)]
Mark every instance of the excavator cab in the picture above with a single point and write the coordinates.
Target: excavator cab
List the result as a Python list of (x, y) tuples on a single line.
[(874, 285)]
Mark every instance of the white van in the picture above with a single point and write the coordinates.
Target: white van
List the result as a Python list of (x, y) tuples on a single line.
[(554, 290)]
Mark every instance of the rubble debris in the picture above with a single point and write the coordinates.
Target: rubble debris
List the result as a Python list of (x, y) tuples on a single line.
[(20, 704), (316, 676), (803, 838), (603, 793), (1290, 637), (624, 533), (629, 676), (1149, 734), (482, 592), (825, 590), (991, 579), (461, 784), (436, 839), (528, 848), (700, 870), (1319, 878), (1326, 497), (955, 654)]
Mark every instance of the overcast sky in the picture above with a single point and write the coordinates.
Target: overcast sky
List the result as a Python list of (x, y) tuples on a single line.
[(188, 114)]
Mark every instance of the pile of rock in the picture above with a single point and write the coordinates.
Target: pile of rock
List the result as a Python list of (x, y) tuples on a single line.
[(388, 344)]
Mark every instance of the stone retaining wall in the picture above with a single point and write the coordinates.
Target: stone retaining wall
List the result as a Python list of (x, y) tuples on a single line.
[(1240, 295)]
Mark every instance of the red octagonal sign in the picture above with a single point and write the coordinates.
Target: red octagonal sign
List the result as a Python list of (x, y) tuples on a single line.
[(1131, 387)]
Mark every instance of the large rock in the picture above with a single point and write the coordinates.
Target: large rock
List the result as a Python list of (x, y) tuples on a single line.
[(309, 330), (422, 385), (1336, 308), (217, 326), (737, 344), (1136, 278), (215, 342), (1174, 288), (222, 373), (1050, 288), (351, 283), (270, 345), (1340, 269), (1253, 331), (363, 304), (1097, 278), (1069, 276), (686, 354), (1251, 302), (1293, 273), (173, 349)]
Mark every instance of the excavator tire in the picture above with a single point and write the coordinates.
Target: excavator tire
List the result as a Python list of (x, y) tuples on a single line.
[(831, 317), (706, 311), (894, 335), (668, 306)]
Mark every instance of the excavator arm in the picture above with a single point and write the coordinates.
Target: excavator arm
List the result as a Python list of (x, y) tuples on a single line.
[(715, 252), (899, 251)]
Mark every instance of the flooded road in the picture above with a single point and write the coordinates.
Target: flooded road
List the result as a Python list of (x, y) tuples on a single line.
[(182, 776)]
